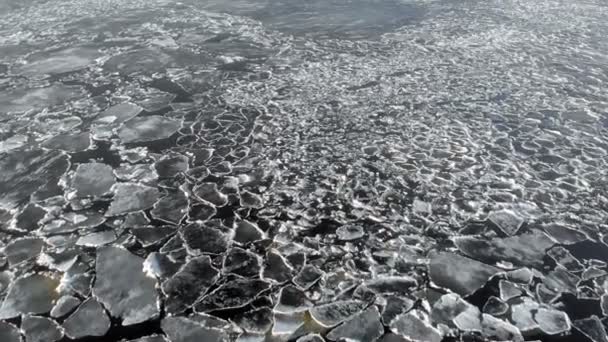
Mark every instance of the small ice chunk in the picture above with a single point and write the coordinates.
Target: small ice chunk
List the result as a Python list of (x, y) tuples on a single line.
[(394, 307), (495, 307), (552, 322), (506, 220), (350, 232), (251, 200), (508, 290), (364, 326), (40, 329), (97, 239), (29, 218), (148, 128), (307, 277), (93, 180), (64, 306), (277, 267), (9, 333), (118, 114), (248, 232), (522, 315), (90, 319), (391, 284)]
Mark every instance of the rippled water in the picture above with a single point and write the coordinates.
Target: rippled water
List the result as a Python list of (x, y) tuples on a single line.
[(397, 170)]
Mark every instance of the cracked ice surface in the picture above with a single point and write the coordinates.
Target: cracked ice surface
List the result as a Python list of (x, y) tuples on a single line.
[(279, 170)]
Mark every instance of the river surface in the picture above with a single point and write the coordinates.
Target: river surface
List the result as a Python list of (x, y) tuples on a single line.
[(283, 170)]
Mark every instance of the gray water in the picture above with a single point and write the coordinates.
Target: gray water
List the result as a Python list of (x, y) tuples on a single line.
[(364, 170)]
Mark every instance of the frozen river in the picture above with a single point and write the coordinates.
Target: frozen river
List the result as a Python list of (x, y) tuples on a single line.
[(290, 170)]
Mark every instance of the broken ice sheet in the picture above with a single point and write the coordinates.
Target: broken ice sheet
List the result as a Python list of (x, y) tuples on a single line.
[(148, 236), (413, 328), (291, 300), (183, 329), (40, 329), (72, 143), (58, 62), (454, 311), (97, 239), (122, 286), (90, 319), (151, 338), (33, 294), (148, 128), (257, 321), (234, 293), (201, 238), (593, 328), (131, 197), (23, 249), (241, 262), (459, 274), (394, 307), (117, 114), (25, 171), (21, 100), (171, 165), (209, 192), (171, 208), (307, 277), (160, 266), (331, 314), (146, 60), (527, 249), (189, 283)]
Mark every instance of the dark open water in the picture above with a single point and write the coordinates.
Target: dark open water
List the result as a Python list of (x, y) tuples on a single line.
[(365, 170)]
